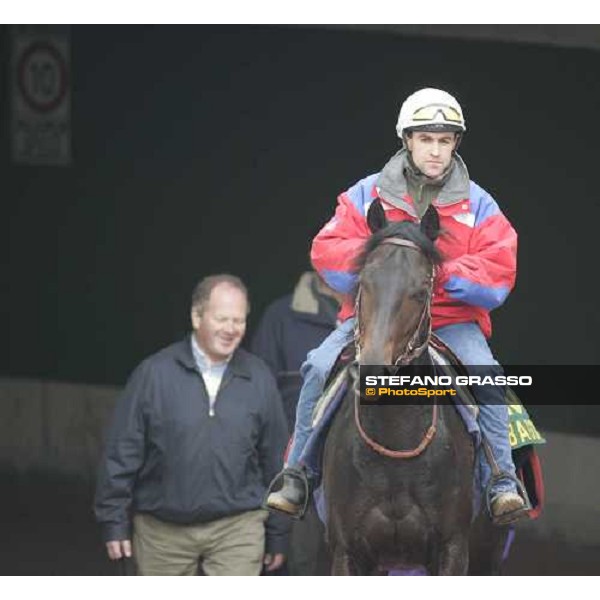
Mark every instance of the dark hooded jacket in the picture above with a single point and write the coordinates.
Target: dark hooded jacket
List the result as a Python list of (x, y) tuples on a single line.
[(290, 327)]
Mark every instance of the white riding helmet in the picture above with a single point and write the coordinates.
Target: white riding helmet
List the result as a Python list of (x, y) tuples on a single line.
[(430, 110)]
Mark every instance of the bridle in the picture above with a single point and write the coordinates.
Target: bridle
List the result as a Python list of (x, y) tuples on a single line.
[(413, 349)]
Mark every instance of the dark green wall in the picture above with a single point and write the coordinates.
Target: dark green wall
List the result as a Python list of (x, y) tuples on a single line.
[(206, 149)]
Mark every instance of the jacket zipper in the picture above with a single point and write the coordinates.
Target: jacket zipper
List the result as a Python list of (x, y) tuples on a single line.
[(211, 409)]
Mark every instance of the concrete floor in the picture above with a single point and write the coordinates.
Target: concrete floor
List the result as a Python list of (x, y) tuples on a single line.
[(48, 529)]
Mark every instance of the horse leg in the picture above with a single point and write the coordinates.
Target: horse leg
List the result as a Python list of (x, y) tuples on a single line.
[(453, 557), (344, 564), (341, 564)]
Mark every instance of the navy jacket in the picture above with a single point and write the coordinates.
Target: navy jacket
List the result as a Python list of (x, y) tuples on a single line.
[(290, 328), (167, 457)]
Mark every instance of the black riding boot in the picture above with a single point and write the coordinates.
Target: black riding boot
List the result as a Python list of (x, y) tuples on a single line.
[(292, 498)]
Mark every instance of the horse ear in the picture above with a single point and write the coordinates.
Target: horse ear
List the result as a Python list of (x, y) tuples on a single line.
[(376, 219), (430, 223)]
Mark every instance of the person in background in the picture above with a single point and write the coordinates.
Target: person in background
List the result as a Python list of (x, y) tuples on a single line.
[(290, 327)]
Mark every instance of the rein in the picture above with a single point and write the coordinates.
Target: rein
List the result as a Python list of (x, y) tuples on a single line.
[(412, 350), (425, 441)]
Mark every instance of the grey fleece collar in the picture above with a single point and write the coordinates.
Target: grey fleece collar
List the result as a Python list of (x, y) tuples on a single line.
[(392, 185), (304, 299)]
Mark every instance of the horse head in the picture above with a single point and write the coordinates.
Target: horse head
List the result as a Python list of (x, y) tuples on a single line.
[(396, 270)]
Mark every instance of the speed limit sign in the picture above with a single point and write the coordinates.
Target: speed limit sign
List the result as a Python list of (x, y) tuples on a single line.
[(41, 98), (42, 76)]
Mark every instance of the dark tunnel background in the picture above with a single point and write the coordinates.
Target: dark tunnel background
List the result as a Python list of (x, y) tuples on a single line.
[(202, 149)]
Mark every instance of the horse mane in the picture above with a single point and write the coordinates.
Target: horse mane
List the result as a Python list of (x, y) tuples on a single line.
[(406, 230)]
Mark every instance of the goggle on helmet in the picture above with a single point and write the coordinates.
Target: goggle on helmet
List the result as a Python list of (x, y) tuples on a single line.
[(430, 109)]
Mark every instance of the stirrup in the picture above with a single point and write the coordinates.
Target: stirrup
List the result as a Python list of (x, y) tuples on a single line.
[(298, 473), (514, 515)]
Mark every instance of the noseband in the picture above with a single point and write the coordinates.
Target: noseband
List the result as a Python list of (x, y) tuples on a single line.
[(413, 347)]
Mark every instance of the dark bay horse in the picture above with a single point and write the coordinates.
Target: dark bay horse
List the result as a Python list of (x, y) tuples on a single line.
[(398, 495)]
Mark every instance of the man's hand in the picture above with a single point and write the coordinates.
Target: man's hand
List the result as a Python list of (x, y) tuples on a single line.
[(273, 562), (117, 549)]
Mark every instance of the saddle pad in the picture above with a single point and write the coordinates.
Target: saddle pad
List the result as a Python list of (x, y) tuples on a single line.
[(334, 392), (521, 430)]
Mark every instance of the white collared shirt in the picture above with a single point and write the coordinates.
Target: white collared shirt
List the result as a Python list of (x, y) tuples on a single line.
[(212, 373)]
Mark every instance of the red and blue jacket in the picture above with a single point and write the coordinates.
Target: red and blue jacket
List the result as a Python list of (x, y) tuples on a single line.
[(477, 242)]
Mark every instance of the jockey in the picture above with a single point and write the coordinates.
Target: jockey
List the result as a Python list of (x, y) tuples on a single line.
[(479, 247)]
